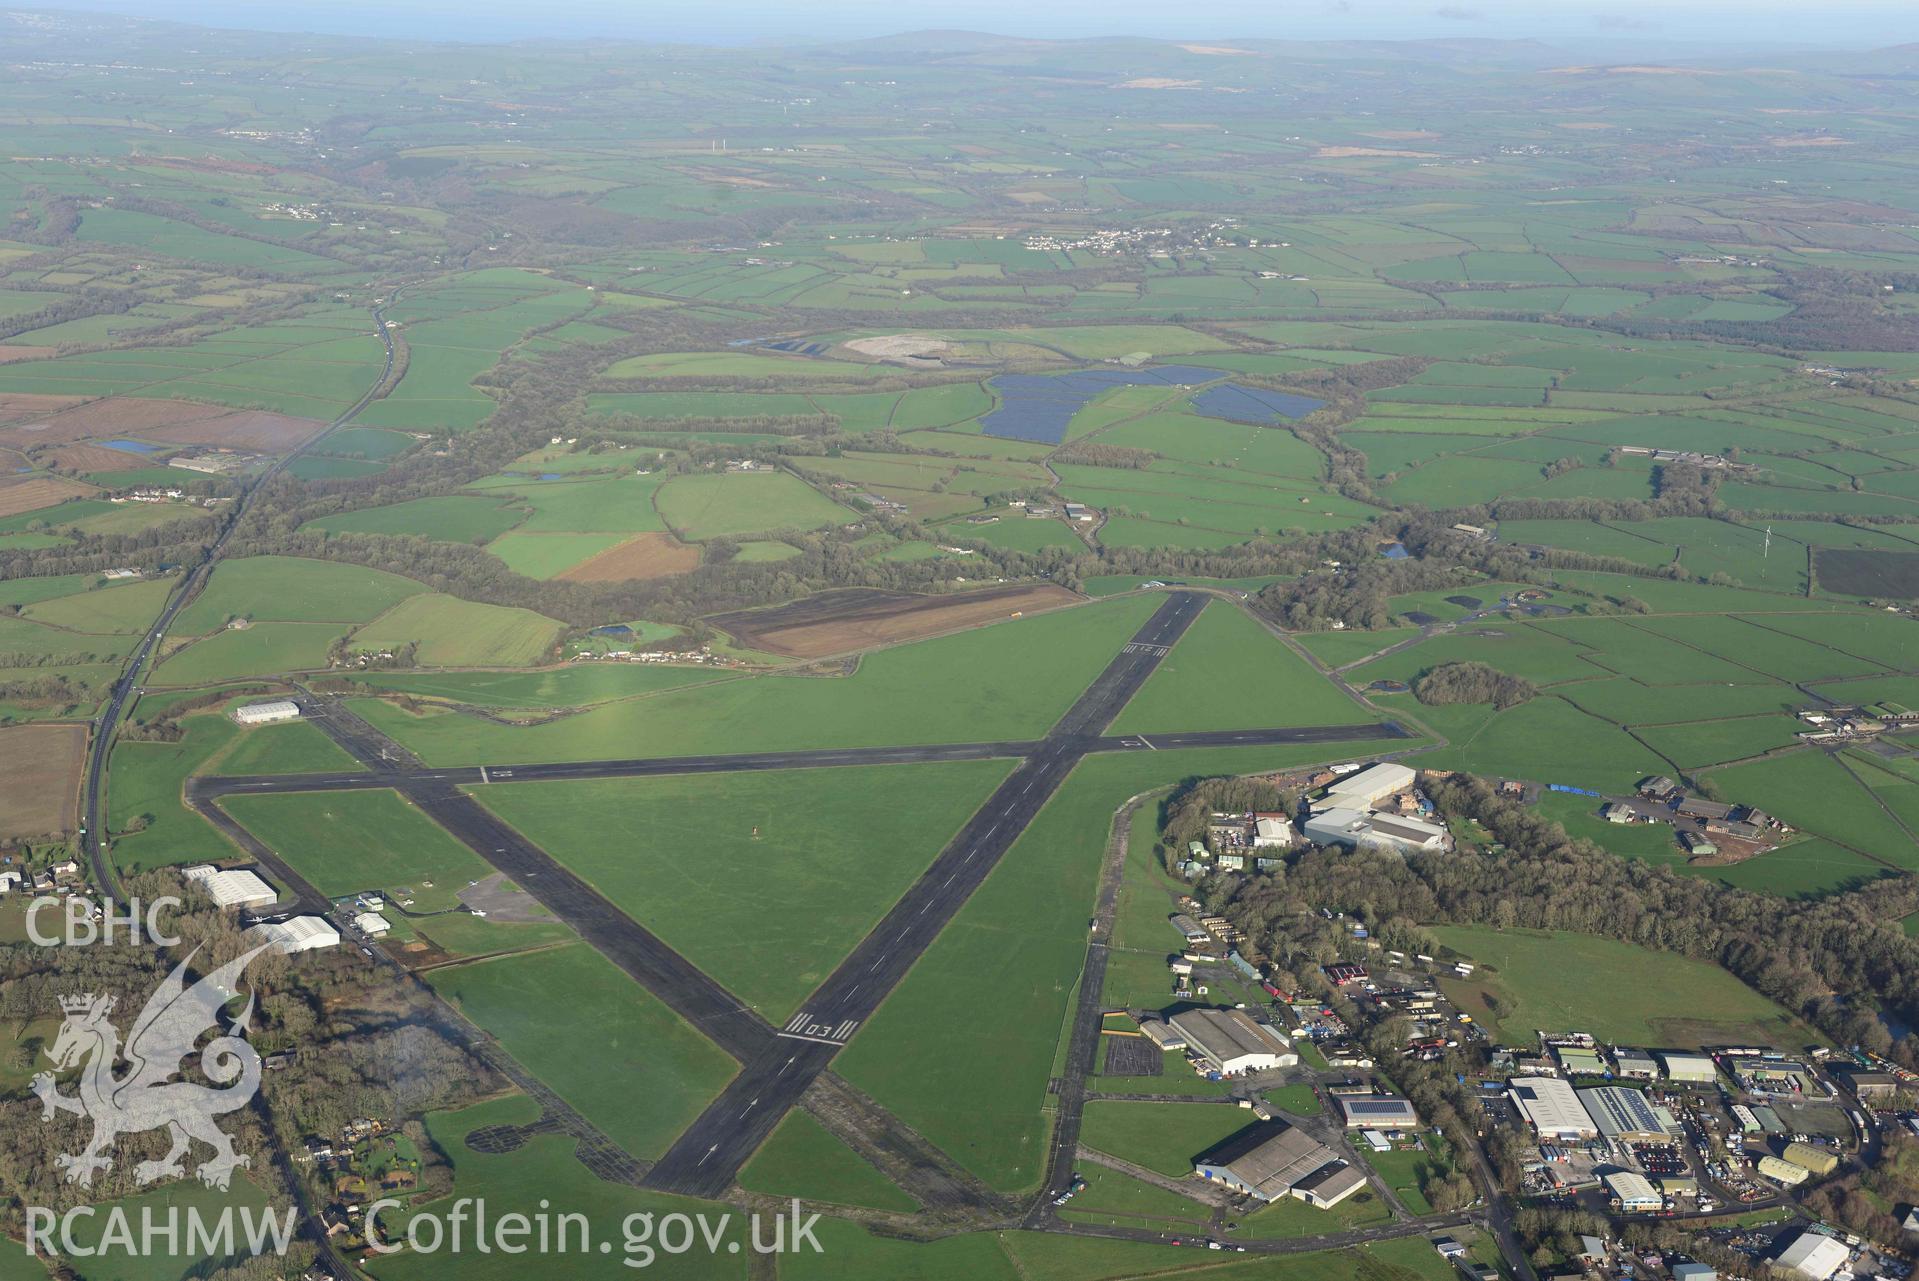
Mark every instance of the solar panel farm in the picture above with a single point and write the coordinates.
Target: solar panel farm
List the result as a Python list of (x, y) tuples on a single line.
[(723, 602)]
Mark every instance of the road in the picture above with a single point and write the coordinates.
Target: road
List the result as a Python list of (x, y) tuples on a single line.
[(107, 723)]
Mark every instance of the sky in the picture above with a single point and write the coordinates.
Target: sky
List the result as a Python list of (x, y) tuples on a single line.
[(1689, 25)]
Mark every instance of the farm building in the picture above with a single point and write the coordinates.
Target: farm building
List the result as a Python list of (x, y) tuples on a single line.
[(1622, 1113), (1698, 844), (1618, 812), (1378, 1112), (1273, 1160), (1368, 786), (1360, 829), (1635, 1194), (1230, 1042), (1552, 1108), (234, 887), (1786, 1172), (1635, 1063), (1812, 1256), (1818, 1160), (1695, 1068), (280, 709), (298, 934)]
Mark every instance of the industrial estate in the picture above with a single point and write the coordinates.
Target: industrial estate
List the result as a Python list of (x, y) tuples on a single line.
[(1058, 660)]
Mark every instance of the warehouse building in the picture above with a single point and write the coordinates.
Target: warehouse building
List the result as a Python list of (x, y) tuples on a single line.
[(282, 709), (1635, 1063), (1368, 787), (1231, 1042), (372, 924), (1697, 1069), (1377, 1112), (1820, 1161), (1273, 1160), (1634, 1192), (1552, 1108), (1622, 1113), (1786, 1172), (1361, 829), (1812, 1256), (233, 887), (1577, 1060), (298, 934)]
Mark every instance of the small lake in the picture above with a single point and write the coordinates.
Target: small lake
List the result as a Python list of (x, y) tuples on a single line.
[(133, 446), (1038, 407)]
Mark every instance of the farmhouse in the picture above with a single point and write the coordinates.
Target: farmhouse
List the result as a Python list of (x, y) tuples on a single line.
[(282, 709), (236, 887), (1623, 1113), (1231, 1043), (1552, 1108), (1812, 1256), (298, 934), (1378, 1112), (1273, 1160)]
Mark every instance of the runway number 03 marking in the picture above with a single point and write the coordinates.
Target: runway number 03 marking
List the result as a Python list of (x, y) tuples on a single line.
[(802, 1028)]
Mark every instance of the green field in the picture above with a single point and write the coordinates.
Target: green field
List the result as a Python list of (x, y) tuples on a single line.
[(451, 632), (346, 842), (1542, 982), (699, 507), (1009, 681), (602, 1034), (288, 589), (1229, 672), (763, 880)]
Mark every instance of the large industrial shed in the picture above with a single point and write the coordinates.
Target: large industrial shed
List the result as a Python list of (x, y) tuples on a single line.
[(1697, 1069), (1377, 1112), (1273, 1160), (1552, 1108), (1622, 1113), (1231, 1043)]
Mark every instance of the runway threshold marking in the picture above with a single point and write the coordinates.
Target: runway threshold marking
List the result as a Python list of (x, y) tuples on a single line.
[(802, 1028)]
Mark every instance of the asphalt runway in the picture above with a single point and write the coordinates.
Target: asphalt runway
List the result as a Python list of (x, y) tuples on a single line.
[(778, 1064), (705, 1160)]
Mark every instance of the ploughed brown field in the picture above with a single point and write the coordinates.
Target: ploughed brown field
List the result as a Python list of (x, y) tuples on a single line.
[(179, 422), (42, 765), (840, 622), (91, 458), (645, 556), (35, 492)]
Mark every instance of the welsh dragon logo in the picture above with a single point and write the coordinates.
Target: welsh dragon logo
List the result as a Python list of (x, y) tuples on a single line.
[(146, 1097)]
